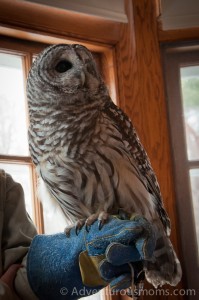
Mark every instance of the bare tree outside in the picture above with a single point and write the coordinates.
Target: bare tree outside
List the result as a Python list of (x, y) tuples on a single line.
[(13, 128), (6, 128)]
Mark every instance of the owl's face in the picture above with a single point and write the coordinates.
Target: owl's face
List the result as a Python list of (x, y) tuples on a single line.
[(64, 70)]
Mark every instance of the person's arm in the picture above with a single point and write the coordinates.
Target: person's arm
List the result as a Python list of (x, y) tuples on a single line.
[(18, 228), (7, 291), (16, 232)]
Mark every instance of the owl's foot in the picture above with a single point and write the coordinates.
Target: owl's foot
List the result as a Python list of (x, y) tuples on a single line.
[(102, 217), (78, 225), (67, 230)]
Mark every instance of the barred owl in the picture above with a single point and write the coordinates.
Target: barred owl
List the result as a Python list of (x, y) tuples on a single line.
[(88, 154)]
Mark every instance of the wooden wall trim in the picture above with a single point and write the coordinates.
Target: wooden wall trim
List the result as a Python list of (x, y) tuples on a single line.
[(174, 35), (29, 17), (135, 52), (178, 35), (127, 63)]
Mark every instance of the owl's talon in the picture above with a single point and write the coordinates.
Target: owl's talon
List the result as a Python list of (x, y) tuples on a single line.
[(77, 230), (78, 225), (103, 218), (87, 227), (100, 224)]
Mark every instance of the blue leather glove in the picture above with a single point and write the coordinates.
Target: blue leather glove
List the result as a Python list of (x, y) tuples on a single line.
[(61, 267)]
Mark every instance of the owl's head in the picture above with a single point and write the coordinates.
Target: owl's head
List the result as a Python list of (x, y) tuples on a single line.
[(64, 70)]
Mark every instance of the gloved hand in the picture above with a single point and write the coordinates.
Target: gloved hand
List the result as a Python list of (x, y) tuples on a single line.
[(61, 267)]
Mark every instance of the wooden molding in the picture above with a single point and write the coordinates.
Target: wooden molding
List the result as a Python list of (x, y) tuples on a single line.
[(111, 10), (15, 159), (133, 55), (177, 34), (37, 205), (31, 19), (179, 14)]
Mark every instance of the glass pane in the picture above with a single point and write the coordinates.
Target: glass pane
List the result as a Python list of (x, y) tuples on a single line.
[(194, 175), (190, 96), (13, 127), (21, 174)]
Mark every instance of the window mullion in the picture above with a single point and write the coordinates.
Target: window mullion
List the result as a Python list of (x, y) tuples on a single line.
[(37, 205), (193, 164)]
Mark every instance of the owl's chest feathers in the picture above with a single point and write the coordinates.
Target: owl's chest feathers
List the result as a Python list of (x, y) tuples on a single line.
[(63, 129), (85, 140), (97, 163)]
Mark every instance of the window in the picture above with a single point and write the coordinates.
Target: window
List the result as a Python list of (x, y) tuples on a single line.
[(182, 87), (15, 61), (189, 75)]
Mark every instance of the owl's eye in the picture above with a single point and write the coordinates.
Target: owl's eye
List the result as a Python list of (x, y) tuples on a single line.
[(63, 66)]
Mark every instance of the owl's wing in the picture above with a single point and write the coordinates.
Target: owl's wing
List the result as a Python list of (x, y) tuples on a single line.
[(126, 128)]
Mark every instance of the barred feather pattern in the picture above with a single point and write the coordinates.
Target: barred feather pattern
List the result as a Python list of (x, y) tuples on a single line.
[(88, 153)]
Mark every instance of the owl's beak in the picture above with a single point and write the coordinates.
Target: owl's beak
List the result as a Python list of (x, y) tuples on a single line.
[(83, 77)]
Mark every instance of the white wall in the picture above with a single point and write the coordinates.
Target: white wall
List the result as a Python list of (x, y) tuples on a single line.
[(178, 14), (109, 9)]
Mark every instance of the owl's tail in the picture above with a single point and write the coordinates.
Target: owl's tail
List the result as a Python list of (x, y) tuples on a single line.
[(164, 268)]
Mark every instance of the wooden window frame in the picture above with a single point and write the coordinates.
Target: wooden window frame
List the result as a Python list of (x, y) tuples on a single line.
[(176, 56), (26, 50), (20, 31), (12, 32), (132, 61)]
